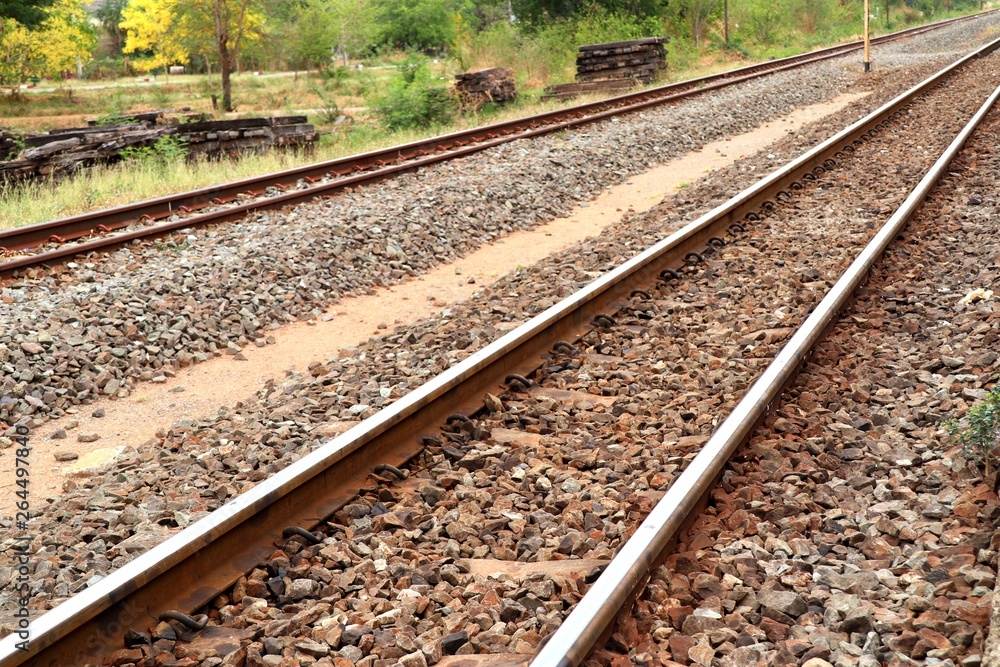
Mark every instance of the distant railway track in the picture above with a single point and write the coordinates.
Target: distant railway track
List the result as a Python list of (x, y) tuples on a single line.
[(193, 567), (59, 240)]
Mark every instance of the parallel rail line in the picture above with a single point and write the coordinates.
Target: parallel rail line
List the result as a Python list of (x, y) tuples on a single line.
[(191, 568), (25, 246)]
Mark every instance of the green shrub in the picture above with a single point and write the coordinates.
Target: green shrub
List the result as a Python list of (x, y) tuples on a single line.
[(763, 19), (330, 110), (414, 98), (114, 118), (168, 148), (979, 431)]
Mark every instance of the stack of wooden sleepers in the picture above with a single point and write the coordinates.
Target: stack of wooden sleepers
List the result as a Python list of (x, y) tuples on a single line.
[(479, 87), (614, 66), (62, 152)]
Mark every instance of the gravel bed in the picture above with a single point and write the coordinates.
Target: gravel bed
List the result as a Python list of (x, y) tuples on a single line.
[(645, 395), (851, 530), (99, 326)]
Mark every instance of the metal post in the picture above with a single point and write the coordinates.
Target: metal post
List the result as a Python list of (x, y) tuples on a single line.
[(868, 54)]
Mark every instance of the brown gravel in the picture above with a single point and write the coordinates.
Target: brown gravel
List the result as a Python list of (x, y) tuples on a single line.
[(851, 530), (132, 420)]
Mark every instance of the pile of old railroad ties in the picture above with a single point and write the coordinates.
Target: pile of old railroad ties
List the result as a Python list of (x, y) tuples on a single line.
[(492, 85), (614, 66), (60, 152)]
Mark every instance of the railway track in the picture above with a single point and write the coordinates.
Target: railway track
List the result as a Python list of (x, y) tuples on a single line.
[(630, 310), (61, 239)]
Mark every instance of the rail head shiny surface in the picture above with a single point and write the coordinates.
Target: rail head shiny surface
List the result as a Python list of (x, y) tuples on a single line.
[(51, 626), (574, 639)]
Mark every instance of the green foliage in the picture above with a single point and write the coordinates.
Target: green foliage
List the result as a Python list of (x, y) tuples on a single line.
[(18, 137), (330, 110), (116, 114), (109, 13), (335, 76), (763, 19), (415, 99), (597, 25), (979, 431), (544, 54), (28, 13), (539, 12), (693, 17), (817, 15), (428, 25), (325, 27), (168, 148)]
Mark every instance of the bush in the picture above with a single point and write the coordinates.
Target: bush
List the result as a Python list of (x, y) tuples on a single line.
[(817, 15), (415, 99), (763, 19), (168, 148), (979, 431)]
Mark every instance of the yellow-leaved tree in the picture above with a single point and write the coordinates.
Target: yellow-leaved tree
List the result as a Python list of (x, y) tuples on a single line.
[(151, 29), (63, 39), (67, 37), (19, 53), (174, 30)]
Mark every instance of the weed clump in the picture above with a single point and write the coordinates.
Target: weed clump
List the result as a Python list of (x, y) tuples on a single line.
[(168, 148), (414, 98), (979, 432)]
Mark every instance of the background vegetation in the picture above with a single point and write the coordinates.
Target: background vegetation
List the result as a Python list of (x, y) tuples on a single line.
[(61, 39)]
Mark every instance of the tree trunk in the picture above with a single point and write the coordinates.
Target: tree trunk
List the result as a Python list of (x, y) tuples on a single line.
[(222, 39), (227, 86)]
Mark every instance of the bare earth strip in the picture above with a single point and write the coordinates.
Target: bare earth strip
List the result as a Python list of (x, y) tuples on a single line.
[(224, 381)]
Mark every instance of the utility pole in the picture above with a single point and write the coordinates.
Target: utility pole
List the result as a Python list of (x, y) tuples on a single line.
[(886, 14), (725, 20), (868, 53)]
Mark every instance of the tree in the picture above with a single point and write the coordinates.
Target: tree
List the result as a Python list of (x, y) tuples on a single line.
[(230, 18), (150, 29), (172, 30), (311, 35), (20, 56), (28, 13), (61, 41), (67, 37), (536, 11), (110, 16), (354, 24), (420, 24)]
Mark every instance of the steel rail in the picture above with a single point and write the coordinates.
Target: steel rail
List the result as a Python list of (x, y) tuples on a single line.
[(376, 165), (629, 571), (190, 568)]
